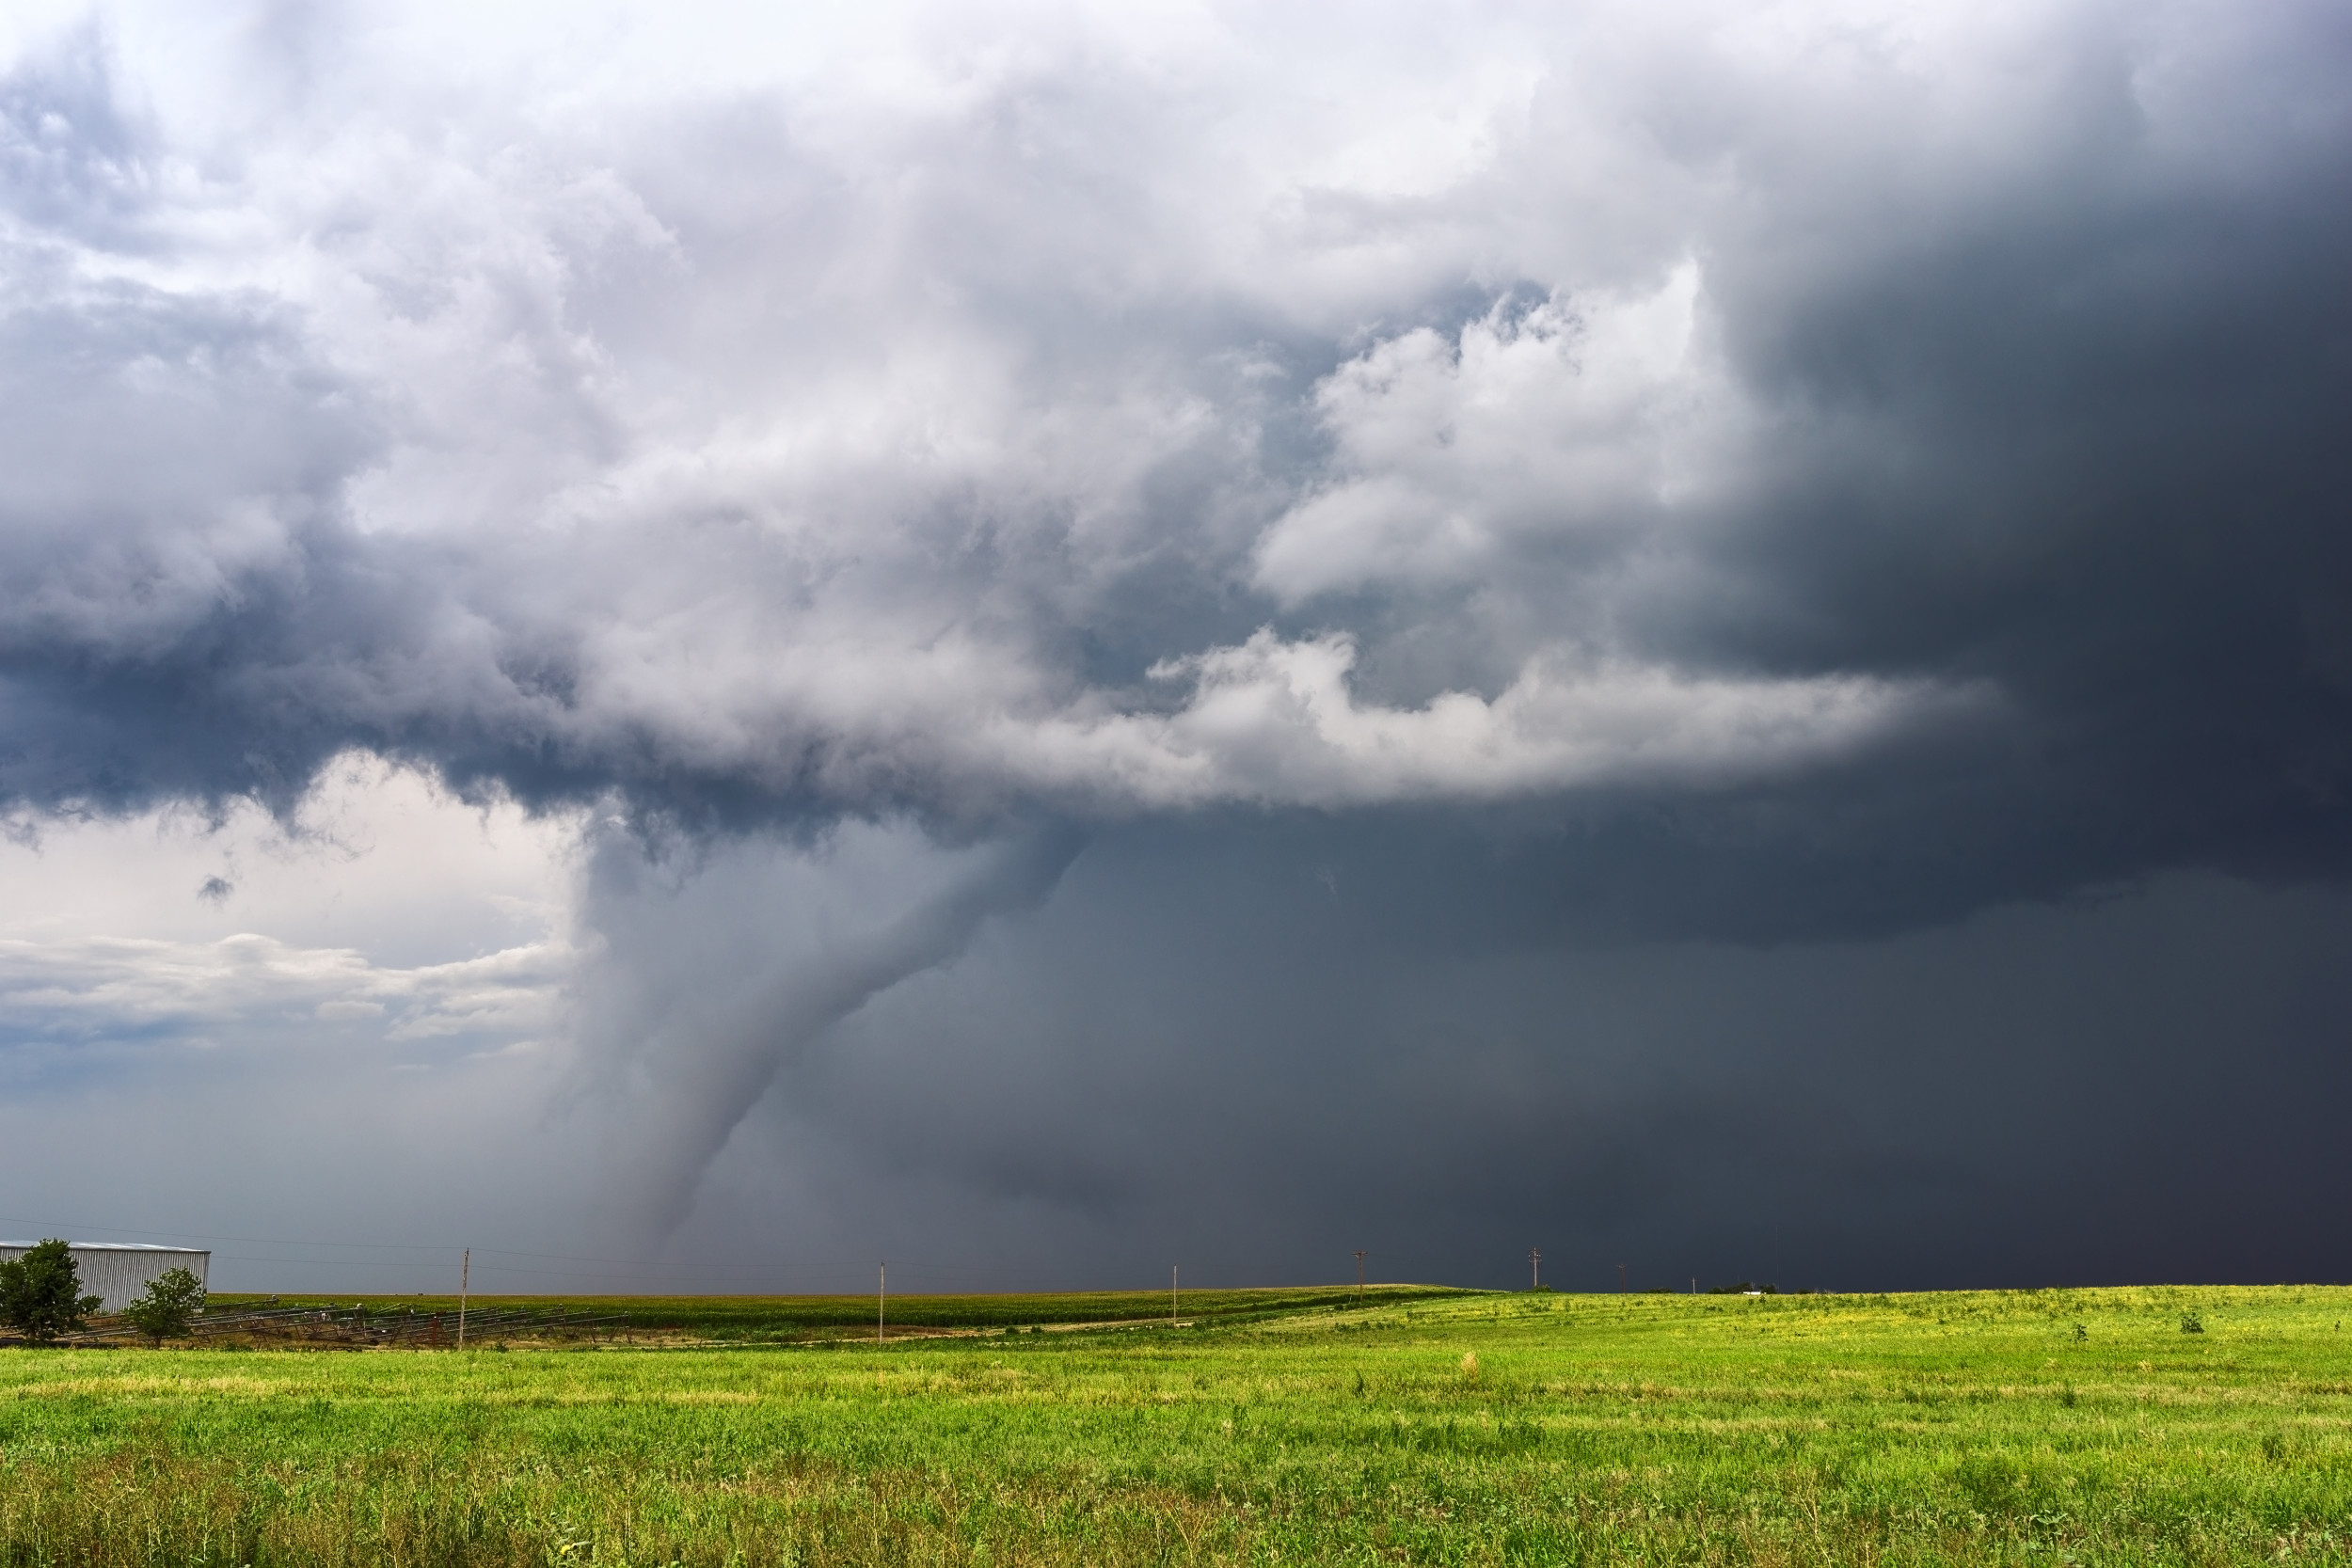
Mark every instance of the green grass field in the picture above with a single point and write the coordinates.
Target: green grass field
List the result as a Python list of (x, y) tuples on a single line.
[(2033, 1428)]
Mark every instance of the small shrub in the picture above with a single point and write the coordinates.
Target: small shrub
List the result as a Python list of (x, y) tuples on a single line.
[(2192, 1323), (170, 1302)]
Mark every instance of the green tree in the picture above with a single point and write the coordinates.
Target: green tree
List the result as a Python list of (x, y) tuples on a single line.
[(41, 1293), (172, 1298)]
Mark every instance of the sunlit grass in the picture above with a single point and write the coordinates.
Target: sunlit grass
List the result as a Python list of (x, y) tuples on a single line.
[(2041, 1427)]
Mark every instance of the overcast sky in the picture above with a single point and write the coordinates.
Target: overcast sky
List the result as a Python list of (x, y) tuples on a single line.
[(698, 645)]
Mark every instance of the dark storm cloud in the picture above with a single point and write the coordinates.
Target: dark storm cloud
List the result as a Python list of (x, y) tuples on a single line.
[(1466, 520), (1198, 1052), (2085, 442)]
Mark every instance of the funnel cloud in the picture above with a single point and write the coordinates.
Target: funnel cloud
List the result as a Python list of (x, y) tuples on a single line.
[(692, 1054)]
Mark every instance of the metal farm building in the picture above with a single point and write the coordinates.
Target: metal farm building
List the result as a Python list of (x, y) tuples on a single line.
[(117, 1273)]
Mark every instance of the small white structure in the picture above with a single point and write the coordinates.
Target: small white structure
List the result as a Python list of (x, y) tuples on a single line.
[(118, 1272)]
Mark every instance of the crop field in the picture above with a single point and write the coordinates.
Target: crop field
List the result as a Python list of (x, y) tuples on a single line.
[(2128, 1426), (789, 1320)]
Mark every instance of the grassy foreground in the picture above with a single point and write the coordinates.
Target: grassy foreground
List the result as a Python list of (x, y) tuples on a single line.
[(2042, 1426)]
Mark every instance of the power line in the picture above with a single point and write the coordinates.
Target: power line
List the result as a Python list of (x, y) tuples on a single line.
[(57, 1224), (250, 1241), (634, 1265), (420, 1256)]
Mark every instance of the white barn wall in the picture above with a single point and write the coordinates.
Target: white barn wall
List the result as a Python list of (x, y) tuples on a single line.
[(117, 1273)]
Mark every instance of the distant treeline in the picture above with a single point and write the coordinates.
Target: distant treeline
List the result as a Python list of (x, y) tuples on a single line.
[(728, 1316)]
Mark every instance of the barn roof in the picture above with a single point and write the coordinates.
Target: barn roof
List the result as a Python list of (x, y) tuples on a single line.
[(111, 1246)]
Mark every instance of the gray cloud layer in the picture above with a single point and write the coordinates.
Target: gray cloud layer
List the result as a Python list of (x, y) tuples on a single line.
[(1576, 483), (940, 463)]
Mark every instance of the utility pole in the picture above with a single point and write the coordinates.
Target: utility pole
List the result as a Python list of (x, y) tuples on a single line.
[(1621, 1280), (882, 1296), (1171, 1296), (1534, 1268), (464, 1273), (1359, 1276)]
